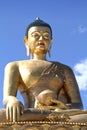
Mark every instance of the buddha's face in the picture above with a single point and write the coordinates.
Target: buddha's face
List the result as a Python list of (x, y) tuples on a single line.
[(39, 39)]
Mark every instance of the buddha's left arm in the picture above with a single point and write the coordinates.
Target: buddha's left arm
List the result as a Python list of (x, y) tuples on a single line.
[(72, 89)]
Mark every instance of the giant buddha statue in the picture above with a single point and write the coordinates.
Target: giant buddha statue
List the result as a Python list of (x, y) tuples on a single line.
[(45, 85)]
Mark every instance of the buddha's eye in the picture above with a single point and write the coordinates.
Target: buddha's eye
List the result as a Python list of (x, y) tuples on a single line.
[(35, 35), (46, 36)]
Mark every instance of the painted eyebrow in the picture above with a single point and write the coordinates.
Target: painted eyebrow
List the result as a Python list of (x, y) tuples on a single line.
[(35, 32), (46, 32), (40, 32)]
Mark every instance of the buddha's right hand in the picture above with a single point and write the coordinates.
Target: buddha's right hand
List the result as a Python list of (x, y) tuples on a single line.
[(14, 109)]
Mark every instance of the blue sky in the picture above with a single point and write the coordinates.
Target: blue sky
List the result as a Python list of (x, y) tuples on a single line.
[(68, 19)]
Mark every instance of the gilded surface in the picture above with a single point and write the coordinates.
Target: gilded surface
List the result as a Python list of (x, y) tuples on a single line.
[(44, 126), (46, 120), (49, 88)]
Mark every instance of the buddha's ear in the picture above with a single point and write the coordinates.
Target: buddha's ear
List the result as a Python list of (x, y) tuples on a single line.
[(50, 45), (51, 42), (26, 41), (26, 44)]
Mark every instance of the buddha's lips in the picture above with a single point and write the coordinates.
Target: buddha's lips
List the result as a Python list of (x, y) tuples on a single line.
[(41, 43)]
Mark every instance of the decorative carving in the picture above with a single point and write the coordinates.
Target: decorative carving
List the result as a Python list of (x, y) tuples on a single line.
[(44, 125)]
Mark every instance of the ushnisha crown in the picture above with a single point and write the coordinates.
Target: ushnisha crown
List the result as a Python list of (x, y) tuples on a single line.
[(38, 22)]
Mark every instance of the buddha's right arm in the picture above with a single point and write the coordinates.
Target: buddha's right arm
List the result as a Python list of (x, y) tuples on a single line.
[(14, 107), (11, 75)]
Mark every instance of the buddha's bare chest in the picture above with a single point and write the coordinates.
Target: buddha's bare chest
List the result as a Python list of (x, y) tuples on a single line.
[(45, 73)]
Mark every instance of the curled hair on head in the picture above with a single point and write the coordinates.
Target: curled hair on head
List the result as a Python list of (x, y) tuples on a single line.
[(38, 22)]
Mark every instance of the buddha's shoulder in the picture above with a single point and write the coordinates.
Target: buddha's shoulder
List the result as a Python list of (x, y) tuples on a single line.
[(62, 66), (15, 64)]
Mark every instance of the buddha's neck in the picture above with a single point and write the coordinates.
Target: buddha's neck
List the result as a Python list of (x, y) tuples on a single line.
[(39, 57)]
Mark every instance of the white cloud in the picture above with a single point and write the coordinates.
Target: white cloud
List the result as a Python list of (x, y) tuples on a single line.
[(82, 29), (81, 74)]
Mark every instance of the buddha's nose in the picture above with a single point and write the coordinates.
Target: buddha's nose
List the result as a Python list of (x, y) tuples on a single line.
[(41, 38)]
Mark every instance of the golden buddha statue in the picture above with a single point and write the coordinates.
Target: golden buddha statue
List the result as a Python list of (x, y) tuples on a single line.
[(47, 85)]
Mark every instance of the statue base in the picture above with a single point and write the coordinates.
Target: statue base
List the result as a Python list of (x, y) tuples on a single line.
[(35, 119)]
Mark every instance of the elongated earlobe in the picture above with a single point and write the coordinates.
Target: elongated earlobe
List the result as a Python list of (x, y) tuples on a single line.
[(50, 45), (49, 53), (28, 50), (26, 44)]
